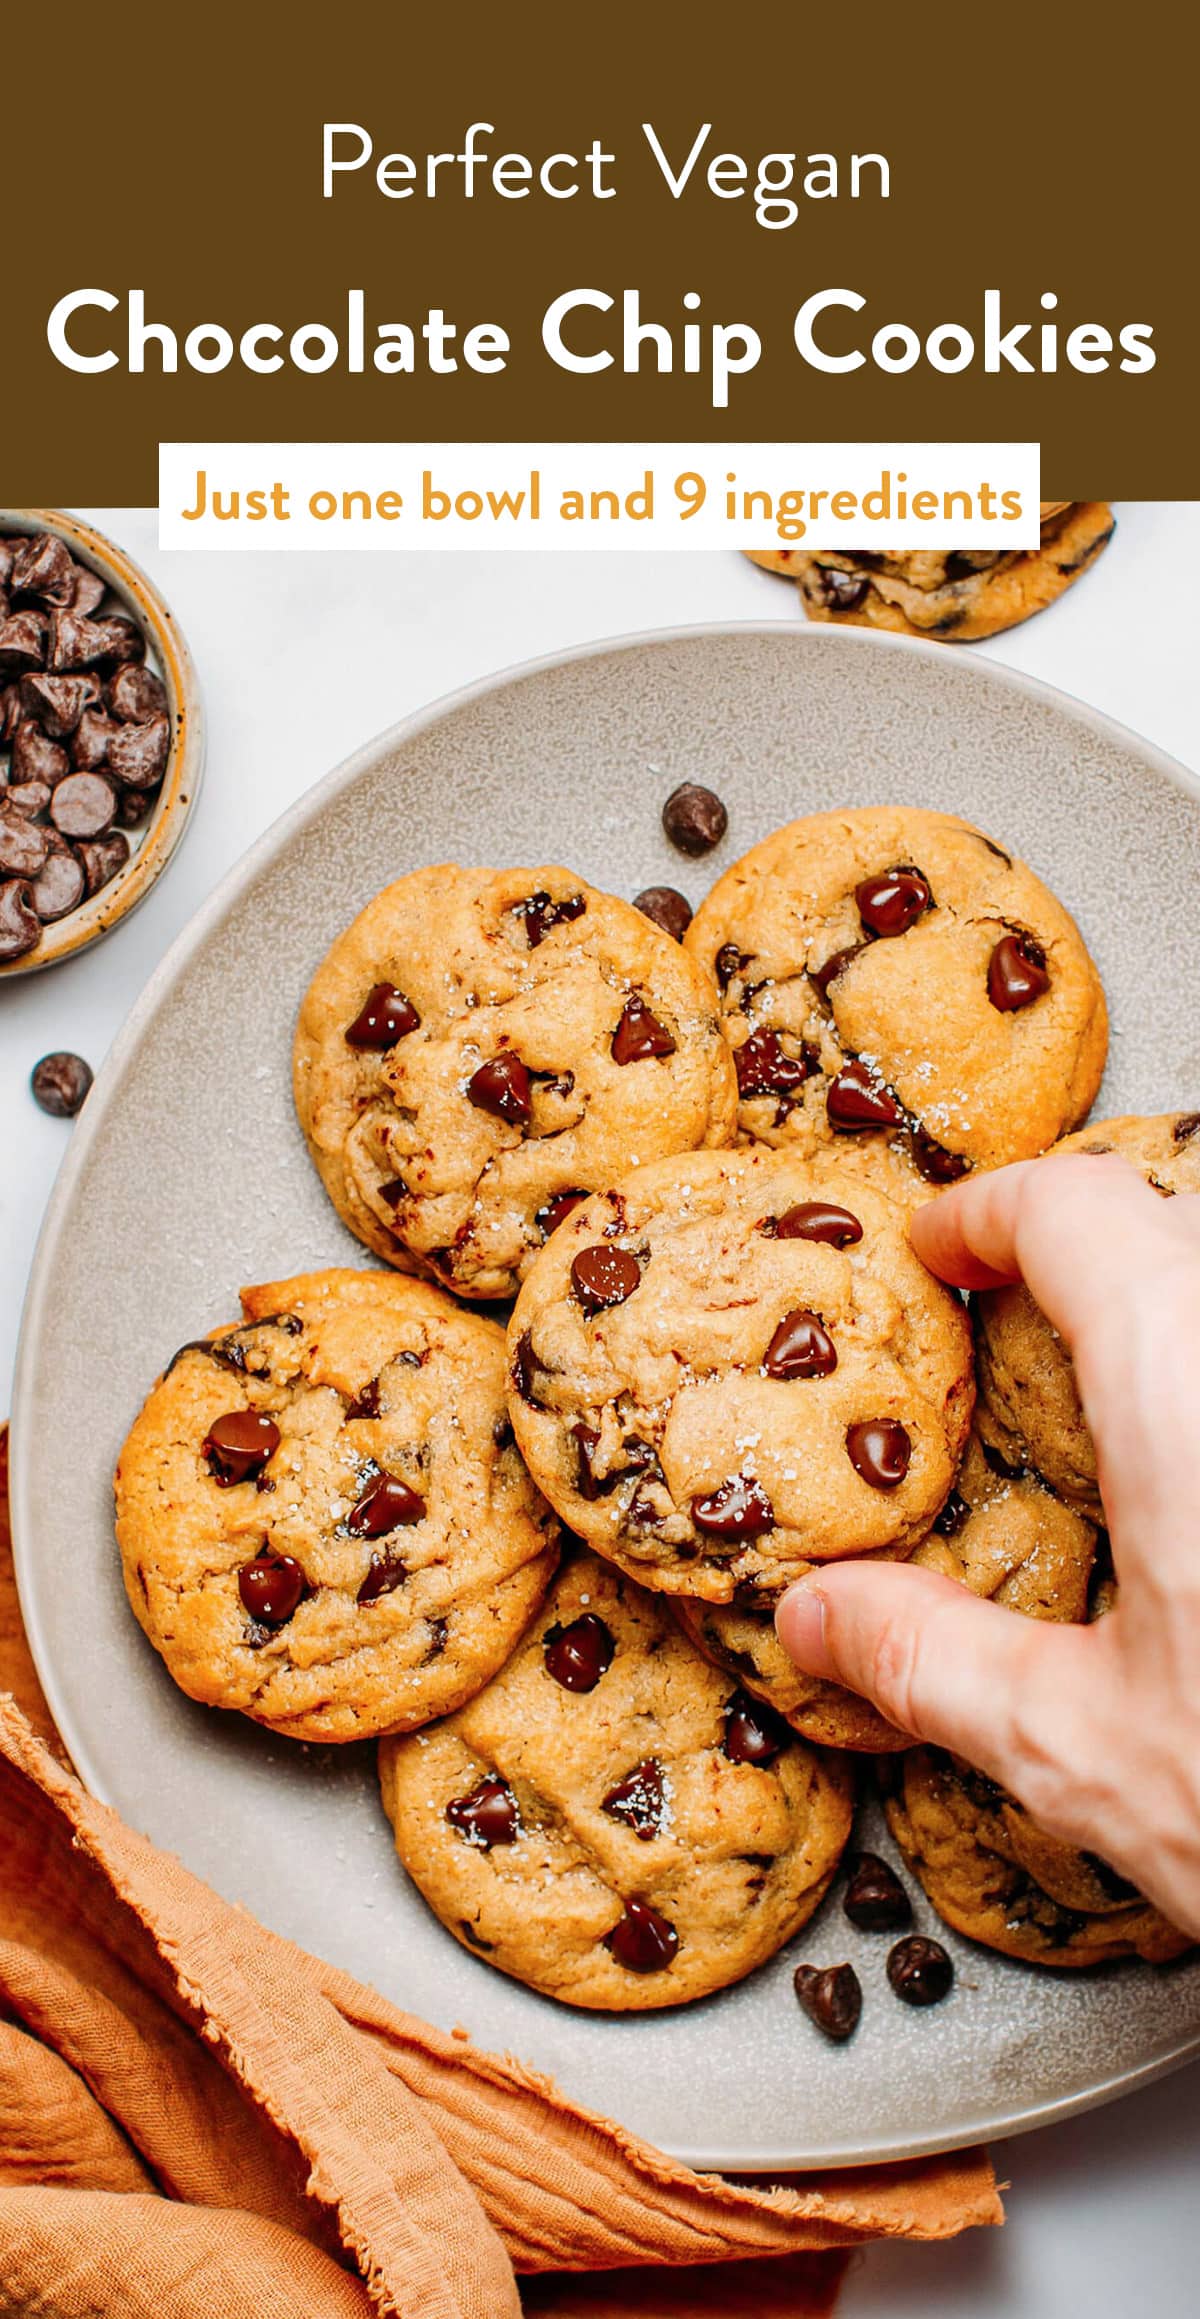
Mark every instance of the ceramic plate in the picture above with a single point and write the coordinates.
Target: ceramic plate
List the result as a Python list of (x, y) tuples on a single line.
[(187, 1176)]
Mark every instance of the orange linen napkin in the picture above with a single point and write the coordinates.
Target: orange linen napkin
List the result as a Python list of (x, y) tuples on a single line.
[(198, 2121)]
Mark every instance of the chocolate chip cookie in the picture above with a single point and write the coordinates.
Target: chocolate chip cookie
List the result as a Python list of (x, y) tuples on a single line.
[(1029, 1409), (895, 982), (481, 1048), (611, 1820), (1005, 1538), (993, 1874), (955, 595), (732, 1365), (322, 1516)]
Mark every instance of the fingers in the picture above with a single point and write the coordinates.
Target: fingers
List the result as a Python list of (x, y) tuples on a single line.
[(1076, 1229)]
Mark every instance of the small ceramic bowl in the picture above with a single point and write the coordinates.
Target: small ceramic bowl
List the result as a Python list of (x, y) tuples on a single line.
[(166, 651)]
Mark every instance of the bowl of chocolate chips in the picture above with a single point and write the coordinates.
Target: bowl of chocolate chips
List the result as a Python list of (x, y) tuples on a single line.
[(101, 736)]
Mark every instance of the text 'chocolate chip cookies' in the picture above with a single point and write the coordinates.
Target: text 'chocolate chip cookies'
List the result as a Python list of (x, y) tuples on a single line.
[(323, 1520), (480, 1048), (772, 1378), (614, 1822), (893, 980)]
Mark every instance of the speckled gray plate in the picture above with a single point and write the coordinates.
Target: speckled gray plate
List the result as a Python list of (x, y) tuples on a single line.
[(187, 1176)]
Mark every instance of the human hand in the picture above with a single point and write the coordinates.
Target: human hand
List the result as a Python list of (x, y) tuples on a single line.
[(1096, 1729)]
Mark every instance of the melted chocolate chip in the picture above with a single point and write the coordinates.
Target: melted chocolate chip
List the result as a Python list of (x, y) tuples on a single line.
[(385, 1573), (694, 818), (386, 1017), (639, 1034), (920, 1971), (541, 913), (1016, 973), (822, 976), (638, 1800), (949, 1520), (525, 1367), (438, 1632), (602, 1276), (665, 906), (272, 1588), (754, 1733), (394, 1192), (739, 1509), (764, 1068), (840, 591), (859, 1098), (874, 1899), (643, 1940), (879, 1450), (503, 1087), (487, 1816), (800, 1347), (891, 903), (579, 1654), (728, 962), (551, 1216), (934, 1162), (386, 1504), (366, 1403), (238, 1445), (831, 1997), (1115, 1888), (814, 1220)]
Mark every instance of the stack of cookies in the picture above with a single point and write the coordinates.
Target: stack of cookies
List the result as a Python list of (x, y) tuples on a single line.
[(539, 1559)]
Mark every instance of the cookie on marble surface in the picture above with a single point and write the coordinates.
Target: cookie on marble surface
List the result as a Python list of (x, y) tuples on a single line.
[(322, 1515), (1029, 1409), (480, 1047), (893, 981), (734, 1364), (611, 1820)]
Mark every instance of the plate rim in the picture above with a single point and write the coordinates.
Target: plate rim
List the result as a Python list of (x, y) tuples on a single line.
[(164, 978)]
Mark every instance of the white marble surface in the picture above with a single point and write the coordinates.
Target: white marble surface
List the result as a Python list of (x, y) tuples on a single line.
[(301, 659)]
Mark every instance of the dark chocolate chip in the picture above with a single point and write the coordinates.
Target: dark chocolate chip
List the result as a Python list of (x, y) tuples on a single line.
[(91, 740), (738, 1509), (800, 1347), (934, 1162), (20, 926), (665, 906), (238, 1446), (643, 1940), (487, 1816), (556, 1210), (840, 591), (822, 976), (831, 1997), (60, 1082), (272, 1588), (639, 1034), (892, 902), (22, 642), (364, 1404), (603, 1275), (879, 1450), (385, 1573), (134, 806), (502, 1086), (525, 1367), (57, 703), (728, 962), (1016, 973), (950, 1518), (874, 1899), (90, 589), (541, 913), (920, 1971), (1186, 1126), (814, 1220), (386, 1017), (386, 1504), (754, 1733), (77, 642), (43, 566), (83, 805), (23, 847), (859, 1098), (579, 1654), (1115, 1888), (638, 1800), (137, 754), (136, 694), (694, 818), (764, 1068), (27, 799), (58, 886), (102, 857), (35, 757), (438, 1633)]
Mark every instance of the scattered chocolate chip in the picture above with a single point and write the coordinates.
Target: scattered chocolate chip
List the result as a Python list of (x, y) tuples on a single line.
[(874, 1899), (934, 1162), (638, 1800), (831, 1997), (800, 1347), (579, 1654), (238, 1446), (23, 847), (950, 1518), (137, 754), (643, 1940), (541, 913), (891, 903), (754, 1733), (879, 1450), (859, 1098), (764, 1068), (694, 818), (665, 906), (738, 1509), (58, 886), (20, 925), (272, 1588), (920, 1971), (728, 962), (83, 805), (822, 976), (60, 1082), (102, 857), (815, 1220), (603, 1275), (35, 757), (556, 1210), (136, 694), (386, 1504), (386, 1017), (502, 1086), (1016, 973), (639, 1034), (487, 1816)]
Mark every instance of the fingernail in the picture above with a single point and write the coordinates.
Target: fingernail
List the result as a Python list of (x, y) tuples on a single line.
[(800, 1625)]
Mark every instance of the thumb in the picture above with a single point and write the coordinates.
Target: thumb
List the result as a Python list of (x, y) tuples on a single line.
[(1008, 1693)]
